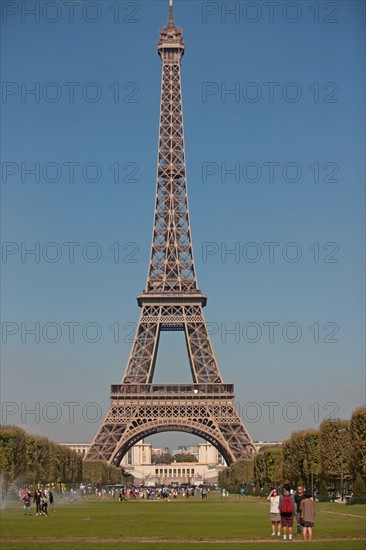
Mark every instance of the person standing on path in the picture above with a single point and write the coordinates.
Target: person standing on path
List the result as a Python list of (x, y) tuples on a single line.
[(274, 512), (307, 510), (44, 504), (27, 504), (287, 511), (51, 500), (298, 498), (37, 500)]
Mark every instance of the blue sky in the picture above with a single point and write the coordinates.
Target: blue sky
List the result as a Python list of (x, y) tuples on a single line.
[(96, 106)]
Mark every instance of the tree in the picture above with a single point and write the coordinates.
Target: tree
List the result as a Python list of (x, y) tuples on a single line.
[(359, 491), (165, 458), (311, 463), (323, 492), (273, 464), (268, 465), (12, 452), (259, 467), (334, 440), (294, 453), (358, 443), (185, 457), (237, 475), (37, 456)]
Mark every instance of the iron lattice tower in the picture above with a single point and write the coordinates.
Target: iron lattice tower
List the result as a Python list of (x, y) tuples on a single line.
[(171, 302)]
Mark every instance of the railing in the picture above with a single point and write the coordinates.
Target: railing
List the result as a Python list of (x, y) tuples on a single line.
[(180, 390)]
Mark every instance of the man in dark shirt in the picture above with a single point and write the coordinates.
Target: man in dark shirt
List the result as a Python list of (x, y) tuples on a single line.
[(298, 498)]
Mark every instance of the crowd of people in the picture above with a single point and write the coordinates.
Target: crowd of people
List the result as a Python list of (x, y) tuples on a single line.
[(288, 505), (159, 493), (43, 500)]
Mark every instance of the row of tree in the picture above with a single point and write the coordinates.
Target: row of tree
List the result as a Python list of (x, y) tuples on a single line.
[(334, 454), (33, 459), (168, 458)]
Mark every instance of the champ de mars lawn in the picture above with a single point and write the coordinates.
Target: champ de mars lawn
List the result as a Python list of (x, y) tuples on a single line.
[(218, 523)]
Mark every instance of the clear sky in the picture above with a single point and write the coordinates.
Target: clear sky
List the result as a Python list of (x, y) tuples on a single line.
[(272, 92)]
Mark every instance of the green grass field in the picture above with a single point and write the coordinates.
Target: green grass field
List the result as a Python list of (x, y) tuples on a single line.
[(172, 525)]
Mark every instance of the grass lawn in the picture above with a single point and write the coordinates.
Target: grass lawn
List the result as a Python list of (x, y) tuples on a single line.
[(172, 525)]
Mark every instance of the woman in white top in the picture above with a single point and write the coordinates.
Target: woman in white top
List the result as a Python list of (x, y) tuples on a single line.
[(274, 512)]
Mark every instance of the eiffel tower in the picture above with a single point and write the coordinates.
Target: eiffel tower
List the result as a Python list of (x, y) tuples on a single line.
[(171, 302)]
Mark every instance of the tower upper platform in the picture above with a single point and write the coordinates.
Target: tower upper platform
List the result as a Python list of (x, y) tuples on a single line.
[(171, 37)]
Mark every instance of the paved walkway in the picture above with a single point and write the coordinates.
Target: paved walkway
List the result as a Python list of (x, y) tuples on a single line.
[(94, 540), (342, 514)]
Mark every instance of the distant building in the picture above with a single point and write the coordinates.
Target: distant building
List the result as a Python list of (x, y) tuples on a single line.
[(260, 444), (138, 454), (157, 451), (81, 448), (184, 449), (138, 462), (208, 454)]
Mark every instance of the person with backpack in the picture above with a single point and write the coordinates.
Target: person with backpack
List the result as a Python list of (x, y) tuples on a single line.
[(287, 511)]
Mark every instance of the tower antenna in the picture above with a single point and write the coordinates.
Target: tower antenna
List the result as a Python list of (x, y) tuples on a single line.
[(171, 13)]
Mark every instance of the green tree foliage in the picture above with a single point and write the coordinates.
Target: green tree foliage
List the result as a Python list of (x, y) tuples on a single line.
[(259, 467), (237, 475), (99, 472), (359, 491), (310, 455), (358, 443), (323, 492), (268, 465), (294, 452), (12, 452), (185, 457), (301, 457), (311, 463), (37, 459), (273, 464), (334, 440), (165, 458)]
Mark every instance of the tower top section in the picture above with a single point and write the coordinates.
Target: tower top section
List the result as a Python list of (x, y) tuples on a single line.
[(171, 37)]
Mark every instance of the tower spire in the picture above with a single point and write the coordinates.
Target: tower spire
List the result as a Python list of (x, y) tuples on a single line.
[(171, 14)]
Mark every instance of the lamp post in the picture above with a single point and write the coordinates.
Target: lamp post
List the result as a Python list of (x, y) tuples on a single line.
[(341, 431), (312, 446)]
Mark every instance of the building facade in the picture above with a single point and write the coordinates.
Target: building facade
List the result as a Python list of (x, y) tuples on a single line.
[(138, 462)]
